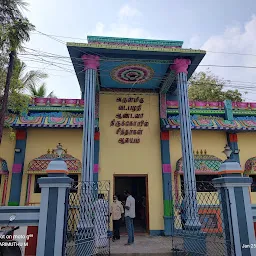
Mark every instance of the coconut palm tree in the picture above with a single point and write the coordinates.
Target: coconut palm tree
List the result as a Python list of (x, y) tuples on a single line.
[(29, 81), (40, 92), (14, 30)]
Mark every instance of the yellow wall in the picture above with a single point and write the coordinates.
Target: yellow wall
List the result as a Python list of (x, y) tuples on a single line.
[(211, 141), (141, 158), (40, 140), (7, 153), (247, 146)]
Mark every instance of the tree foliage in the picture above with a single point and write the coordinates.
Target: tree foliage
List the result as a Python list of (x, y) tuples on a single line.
[(14, 31), (205, 86)]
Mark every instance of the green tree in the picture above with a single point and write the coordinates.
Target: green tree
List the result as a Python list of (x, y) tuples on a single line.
[(205, 86), (14, 30), (40, 92)]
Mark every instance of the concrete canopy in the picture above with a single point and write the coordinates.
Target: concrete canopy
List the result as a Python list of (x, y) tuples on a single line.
[(132, 63)]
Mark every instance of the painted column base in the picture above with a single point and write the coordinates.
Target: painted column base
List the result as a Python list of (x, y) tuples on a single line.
[(13, 203), (168, 225), (194, 243)]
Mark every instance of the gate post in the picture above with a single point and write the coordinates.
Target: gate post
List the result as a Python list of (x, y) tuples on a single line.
[(53, 209), (235, 204)]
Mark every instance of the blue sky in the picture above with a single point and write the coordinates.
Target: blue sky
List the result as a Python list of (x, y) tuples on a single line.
[(212, 25)]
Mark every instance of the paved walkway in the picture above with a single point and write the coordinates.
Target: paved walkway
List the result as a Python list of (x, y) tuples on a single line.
[(162, 246), (144, 245)]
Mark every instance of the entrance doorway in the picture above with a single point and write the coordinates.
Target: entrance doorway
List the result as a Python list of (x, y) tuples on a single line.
[(137, 185)]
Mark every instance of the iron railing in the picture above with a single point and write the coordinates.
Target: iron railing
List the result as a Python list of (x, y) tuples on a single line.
[(87, 222), (187, 234)]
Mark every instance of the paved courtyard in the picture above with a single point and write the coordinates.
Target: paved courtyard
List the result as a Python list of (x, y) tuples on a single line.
[(144, 245), (162, 246)]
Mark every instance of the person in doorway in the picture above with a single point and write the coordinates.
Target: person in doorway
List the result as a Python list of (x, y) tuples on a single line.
[(129, 216), (116, 210), (183, 215)]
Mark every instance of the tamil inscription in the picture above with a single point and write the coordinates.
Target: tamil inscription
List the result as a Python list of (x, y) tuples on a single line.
[(129, 121)]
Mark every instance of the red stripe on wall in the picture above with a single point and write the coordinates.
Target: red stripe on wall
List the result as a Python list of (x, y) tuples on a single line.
[(30, 250), (165, 135), (233, 137), (21, 134), (96, 136)]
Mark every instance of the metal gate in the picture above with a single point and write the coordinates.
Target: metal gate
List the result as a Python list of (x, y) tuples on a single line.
[(210, 239), (87, 224)]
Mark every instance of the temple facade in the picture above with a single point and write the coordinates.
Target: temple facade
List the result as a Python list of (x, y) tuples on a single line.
[(132, 132)]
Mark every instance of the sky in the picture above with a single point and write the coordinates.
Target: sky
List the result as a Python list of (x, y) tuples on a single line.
[(226, 29)]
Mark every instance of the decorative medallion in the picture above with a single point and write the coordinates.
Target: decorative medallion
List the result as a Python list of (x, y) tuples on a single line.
[(132, 74)]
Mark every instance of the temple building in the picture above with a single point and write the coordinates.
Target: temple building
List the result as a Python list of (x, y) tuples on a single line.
[(136, 127)]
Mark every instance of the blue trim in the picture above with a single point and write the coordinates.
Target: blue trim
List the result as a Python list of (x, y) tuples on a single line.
[(168, 226), (15, 187), (167, 184), (241, 217), (165, 151), (96, 151), (156, 232), (51, 221), (95, 177), (16, 182)]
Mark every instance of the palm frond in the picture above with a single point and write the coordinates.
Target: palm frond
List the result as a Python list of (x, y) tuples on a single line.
[(33, 77), (41, 92), (51, 95)]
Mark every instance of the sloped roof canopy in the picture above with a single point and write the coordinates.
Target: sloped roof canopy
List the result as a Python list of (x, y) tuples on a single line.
[(3, 166), (132, 63), (250, 166), (40, 164), (204, 164)]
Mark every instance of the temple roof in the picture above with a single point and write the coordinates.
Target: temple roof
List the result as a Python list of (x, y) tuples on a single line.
[(68, 113), (211, 116), (212, 123), (132, 63)]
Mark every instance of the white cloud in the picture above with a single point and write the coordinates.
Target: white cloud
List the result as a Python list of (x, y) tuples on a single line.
[(194, 42), (236, 39), (128, 11), (122, 28), (119, 30)]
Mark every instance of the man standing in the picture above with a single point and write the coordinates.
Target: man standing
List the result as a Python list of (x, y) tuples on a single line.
[(116, 210), (129, 216)]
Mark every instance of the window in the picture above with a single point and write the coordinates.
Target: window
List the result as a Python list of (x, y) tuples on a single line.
[(37, 189), (253, 186), (203, 183)]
